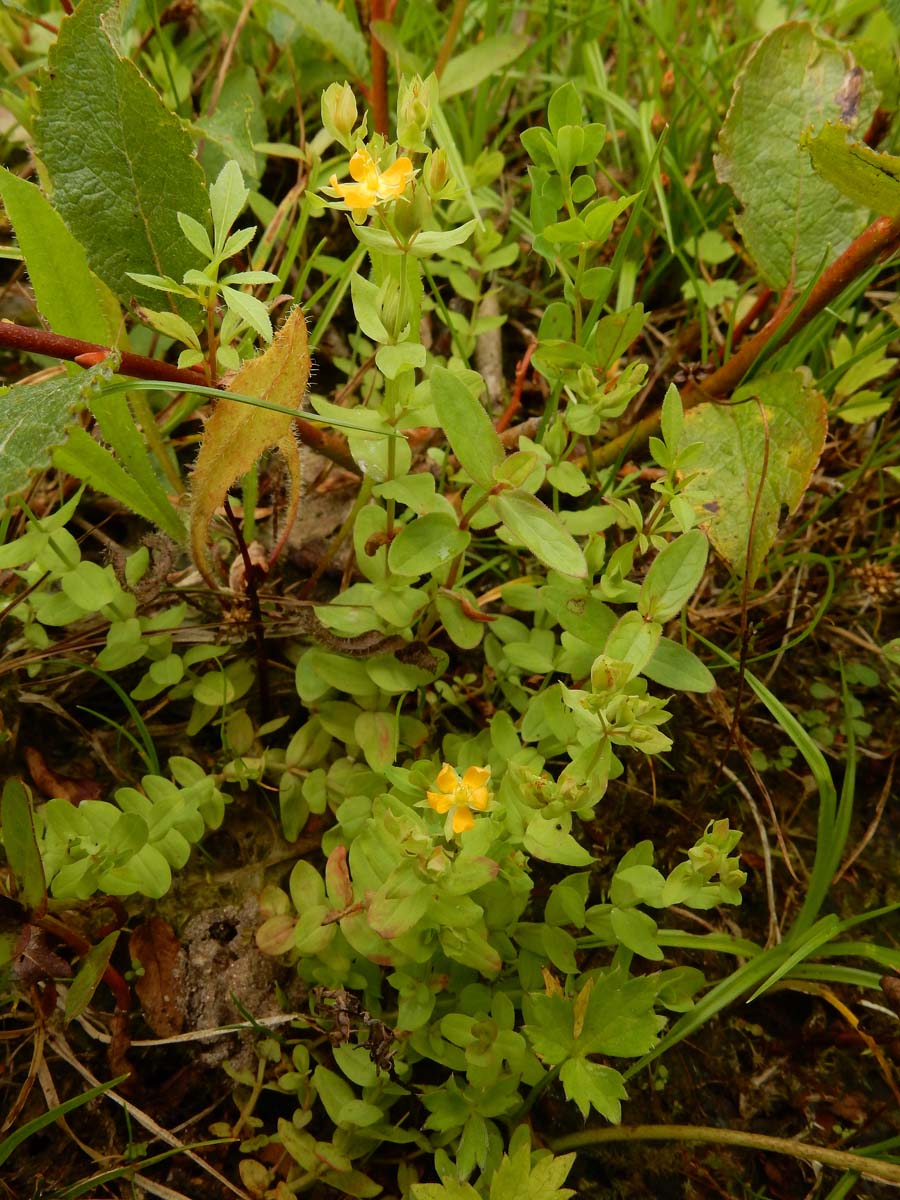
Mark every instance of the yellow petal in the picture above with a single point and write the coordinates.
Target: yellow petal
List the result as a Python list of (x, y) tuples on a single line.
[(393, 182), (462, 819), (363, 169), (448, 780), (356, 195), (439, 802), (478, 798), (476, 777)]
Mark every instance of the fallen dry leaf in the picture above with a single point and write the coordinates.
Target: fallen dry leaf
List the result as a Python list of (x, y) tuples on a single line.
[(52, 785), (155, 946)]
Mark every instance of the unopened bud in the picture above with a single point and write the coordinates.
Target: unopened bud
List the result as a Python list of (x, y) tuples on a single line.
[(414, 103), (339, 112), (436, 173)]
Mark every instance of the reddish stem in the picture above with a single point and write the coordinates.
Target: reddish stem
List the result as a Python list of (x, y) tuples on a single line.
[(39, 341), (756, 310), (515, 402), (379, 92), (113, 979), (881, 239)]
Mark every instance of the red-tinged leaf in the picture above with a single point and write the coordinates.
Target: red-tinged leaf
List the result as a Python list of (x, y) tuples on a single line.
[(276, 936), (337, 878)]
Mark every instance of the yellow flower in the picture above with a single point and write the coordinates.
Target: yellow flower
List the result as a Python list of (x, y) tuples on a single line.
[(459, 796), (372, 186)]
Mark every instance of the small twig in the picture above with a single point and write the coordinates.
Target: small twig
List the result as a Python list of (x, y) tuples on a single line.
[(515, 400), (756, 309), (378, 95), (446, 50), (840, 1160), (774, 927), (225, 64), (872, 828), (64, 1050)]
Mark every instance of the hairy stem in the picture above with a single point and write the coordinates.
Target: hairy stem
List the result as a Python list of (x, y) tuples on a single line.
[(38, 341)]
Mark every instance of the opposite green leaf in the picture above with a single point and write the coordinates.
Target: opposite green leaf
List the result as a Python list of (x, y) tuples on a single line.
[(120, 163), (790, 216), (866, 177), (539, 530), (73, 301), (469, 431)]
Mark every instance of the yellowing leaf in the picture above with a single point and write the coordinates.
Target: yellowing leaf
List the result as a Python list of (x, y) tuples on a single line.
[(237, 434), (758, 456)]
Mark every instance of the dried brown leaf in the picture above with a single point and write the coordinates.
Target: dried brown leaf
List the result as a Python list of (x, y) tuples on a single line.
[(155, 946), (236, 435)]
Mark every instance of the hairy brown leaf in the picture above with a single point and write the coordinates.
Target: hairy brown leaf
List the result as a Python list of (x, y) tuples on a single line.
[(237, 434)]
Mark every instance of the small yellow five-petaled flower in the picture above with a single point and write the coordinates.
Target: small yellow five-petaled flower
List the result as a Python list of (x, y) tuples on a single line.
[(458, 797), (372, 186)]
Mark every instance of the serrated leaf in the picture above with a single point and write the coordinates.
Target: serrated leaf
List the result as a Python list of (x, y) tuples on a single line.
[(237, 434), (196, 234), (589, 1084), (120, 163), (790, 215), (738, 448), (227, 197), (864, 176), (73, 301), (34, 418)]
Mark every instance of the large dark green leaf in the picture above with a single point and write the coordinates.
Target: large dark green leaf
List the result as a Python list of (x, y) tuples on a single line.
[(120, 163)]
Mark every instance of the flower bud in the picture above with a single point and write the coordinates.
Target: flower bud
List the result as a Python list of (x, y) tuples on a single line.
[(414, 103), (437, 173), (339, 112)]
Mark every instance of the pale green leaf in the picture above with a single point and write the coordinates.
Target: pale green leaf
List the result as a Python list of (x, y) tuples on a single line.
[(741, 455), (790, 215), (73, 301), (426, 544), (469, 430), (864, 176), (533, 526), (487, 59)]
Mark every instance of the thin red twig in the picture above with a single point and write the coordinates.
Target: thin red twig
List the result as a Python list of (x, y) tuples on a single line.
[(515, 401)]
